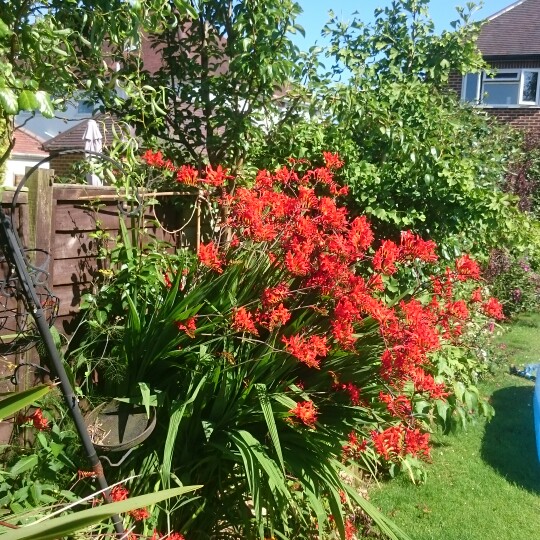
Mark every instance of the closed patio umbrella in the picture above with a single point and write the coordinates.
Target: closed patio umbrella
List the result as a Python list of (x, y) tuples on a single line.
[(93, 142)]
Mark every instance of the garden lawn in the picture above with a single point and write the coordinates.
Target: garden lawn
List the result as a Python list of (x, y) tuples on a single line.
[(483, 484)]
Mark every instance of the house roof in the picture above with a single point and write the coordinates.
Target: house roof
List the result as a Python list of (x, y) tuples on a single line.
[(513, 31), (72, 139), (27, 144)]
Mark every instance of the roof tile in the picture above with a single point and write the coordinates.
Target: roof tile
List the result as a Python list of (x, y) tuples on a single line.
[(514, 31)]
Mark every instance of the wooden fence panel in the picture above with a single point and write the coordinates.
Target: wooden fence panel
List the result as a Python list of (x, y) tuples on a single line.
[(86, 220)]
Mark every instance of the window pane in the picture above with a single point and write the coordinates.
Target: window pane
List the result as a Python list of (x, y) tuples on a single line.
[(530, 85), (513, 76), (496, 93), (471, 87)]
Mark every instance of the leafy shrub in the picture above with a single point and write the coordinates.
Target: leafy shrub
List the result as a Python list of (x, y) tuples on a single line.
[(513, 281), (288, 352)]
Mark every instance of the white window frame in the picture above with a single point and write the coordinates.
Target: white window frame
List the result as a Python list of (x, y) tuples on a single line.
[(482, 78)]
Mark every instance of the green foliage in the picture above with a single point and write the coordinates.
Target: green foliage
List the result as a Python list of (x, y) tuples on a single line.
[(414, 157), (51, 50), (15, 401), (231, 396), (215, 86), (59, 527)]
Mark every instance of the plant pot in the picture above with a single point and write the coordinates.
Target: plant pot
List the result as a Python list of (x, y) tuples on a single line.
[(116, 426)]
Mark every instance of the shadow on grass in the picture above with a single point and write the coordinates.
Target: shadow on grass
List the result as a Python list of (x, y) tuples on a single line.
[(509, 442)]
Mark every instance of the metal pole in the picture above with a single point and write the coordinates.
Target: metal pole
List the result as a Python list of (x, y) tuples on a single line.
[(14, 255)]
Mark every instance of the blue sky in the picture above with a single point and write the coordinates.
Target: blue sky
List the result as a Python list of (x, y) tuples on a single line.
[(316, 13)]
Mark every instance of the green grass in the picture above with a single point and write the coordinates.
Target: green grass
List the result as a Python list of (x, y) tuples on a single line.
[(483, 484)]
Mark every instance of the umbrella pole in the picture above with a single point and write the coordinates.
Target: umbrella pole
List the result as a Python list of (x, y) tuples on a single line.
[(15, 257)]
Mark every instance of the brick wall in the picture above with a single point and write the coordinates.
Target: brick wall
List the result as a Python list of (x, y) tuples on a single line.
[(62, 165), (454, 82), (524, 118)]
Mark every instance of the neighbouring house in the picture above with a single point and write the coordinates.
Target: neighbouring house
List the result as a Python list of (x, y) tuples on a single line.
[(510, 43), (27, 152), (73, 141)]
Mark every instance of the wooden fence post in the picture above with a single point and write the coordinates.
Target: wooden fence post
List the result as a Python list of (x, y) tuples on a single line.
[(40, 212)]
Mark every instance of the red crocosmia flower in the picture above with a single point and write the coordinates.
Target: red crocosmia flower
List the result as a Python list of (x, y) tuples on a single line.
[(188, 175), (285, 176), (307, 350), (167, 279), (350, 530), (217, 176), (208, 256), (172, 536), (298, 261), (360, 233), (332, 160), (354, 447), (354, 393), (414, 247), (458, 310), (385, 257), (242, 321), (493, 308), (306, 412), (278, 316), (275, 295), (140, 514), (476, 295), (343, 333), (376, 283), (155, 159), (119, 493), (398, 406), (467, 268), (389, 443), (416, 443), (188, 326), (38, 420), (424, 382), (263, 180)]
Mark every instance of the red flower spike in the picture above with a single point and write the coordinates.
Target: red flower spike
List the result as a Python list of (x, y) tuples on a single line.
[(332, 160), (493, 308), (467, 268), (476, 296), (187, 175), (242, 321), (306, 412), (154, 159), (350, 530), (119, 493), (188, 326), (385, 257), (38, 420), (140, 514), (216, 177), (209, 257), (307, 350)]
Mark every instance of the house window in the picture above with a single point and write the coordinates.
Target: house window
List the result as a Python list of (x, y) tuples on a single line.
[(507, 87)]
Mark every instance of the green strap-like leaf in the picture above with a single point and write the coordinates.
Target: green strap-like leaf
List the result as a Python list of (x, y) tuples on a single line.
[(20, 400), (266, 407), (60, 527)]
